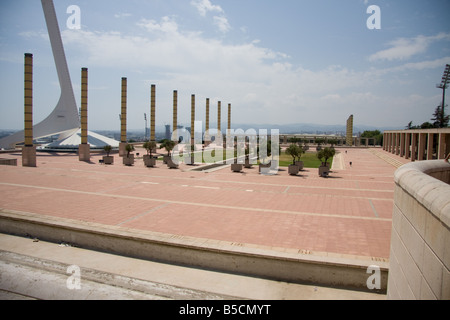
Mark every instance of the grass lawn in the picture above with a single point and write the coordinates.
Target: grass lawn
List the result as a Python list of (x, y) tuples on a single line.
[(309, 159)]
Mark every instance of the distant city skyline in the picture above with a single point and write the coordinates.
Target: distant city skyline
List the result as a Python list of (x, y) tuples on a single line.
[(276, 62)]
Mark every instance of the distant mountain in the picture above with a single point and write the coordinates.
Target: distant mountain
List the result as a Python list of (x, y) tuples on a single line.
[(311, 128), (294, 128)]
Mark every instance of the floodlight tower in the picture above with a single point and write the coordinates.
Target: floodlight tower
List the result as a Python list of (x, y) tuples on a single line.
[(444, 84)]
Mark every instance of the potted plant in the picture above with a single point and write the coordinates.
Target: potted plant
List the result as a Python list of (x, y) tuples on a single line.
[(108, 159), (324, 155), (129, 159), (298, 162), (149, 160), (168, 145), (293, 150), (263, 167), (247, 162)]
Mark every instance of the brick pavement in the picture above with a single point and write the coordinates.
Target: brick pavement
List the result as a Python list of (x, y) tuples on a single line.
[(347, 214)]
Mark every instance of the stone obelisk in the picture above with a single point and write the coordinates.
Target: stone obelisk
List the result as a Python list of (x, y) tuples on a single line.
[(123, 120), (28, 150), (207, 137), (84, 149), (175, 116), (153, 113), (219, 117)]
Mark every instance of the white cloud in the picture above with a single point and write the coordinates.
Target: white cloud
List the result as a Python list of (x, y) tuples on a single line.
[(205, 6), (261, 83), (403, 48), (222, 23), (220, 20), (167, 25), (122, 15)]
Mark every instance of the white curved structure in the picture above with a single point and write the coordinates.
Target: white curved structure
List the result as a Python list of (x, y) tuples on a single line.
[(95, 141), (64, 118)]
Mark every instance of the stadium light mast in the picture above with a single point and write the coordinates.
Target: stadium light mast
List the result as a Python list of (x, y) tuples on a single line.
[(444, 84)]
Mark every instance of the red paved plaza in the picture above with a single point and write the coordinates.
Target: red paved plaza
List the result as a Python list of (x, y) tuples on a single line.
[(348, 213)]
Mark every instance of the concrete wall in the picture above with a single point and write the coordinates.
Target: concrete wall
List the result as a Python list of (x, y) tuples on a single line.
[(420, 245), (291, 266)]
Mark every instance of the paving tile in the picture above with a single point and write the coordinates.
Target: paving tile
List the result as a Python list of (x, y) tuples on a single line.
[(349, 213)]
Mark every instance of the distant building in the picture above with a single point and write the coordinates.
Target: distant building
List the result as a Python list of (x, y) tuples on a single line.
[(349, 136), (168, 134)]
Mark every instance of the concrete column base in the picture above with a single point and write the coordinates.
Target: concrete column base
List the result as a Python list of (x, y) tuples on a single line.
[(29, 156), (122, 150), (84, 152)]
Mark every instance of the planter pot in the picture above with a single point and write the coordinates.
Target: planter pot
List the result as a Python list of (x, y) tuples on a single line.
[(171, 164), (165, 158), (247, 163), (293, 169), (108, 159), (149, 161), (324, 171), (300, 165), (263, 166), (128, 161), (236, 167)]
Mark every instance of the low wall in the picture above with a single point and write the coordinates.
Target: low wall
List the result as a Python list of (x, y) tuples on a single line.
[(420, 245), (8, 162), (208, 254)]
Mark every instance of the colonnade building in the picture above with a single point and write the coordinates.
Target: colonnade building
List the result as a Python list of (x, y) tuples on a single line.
[(418, 144)]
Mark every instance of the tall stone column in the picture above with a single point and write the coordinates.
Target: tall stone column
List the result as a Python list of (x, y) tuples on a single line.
[(175, 115), (84, 149), (413, 146), (407, 145), (153, 113), (229, 116), (219, 117), (441, 146), (394, 142), (123, 120), (192, 119), (207, 137), (28, 150), (421, 151), (402, 144), (349, 135), (430, 146)]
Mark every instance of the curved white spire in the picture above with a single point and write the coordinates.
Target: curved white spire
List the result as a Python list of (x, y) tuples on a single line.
[(64, 118)]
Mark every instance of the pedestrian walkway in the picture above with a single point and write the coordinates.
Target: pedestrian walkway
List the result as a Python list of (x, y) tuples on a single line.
[(390, 158), (347, 215)]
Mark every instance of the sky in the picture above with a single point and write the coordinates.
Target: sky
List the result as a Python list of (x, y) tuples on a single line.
[(276, 62)]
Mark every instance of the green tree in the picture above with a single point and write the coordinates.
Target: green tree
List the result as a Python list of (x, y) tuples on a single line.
[(107, 149), (168, 145), (374, 134), (129, 148), (149, 146), (293, 150), (325, 154), (440, 120)]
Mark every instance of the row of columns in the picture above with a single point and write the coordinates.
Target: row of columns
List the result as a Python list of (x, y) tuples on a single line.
[(341, 140), (426, 144), (123, 116)]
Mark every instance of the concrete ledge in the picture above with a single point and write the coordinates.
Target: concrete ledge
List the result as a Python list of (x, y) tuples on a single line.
[(8, 162), (215, 255), (420, 251)]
